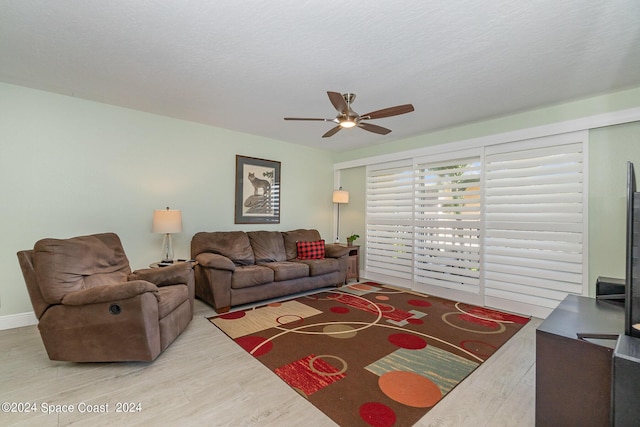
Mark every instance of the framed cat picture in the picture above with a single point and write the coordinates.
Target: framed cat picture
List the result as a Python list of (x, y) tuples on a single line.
[(257, 191)]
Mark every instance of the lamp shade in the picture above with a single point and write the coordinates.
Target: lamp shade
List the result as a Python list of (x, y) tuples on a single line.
[(167, 221), (340, 196)]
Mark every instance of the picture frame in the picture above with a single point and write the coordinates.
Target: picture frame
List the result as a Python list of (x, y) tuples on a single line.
[(257, 191)]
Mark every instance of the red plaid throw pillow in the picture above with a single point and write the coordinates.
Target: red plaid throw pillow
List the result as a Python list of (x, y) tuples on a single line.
[(310, 250)]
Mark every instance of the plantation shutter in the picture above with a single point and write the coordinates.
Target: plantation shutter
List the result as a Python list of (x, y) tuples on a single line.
[(534, 246), (448, 227), (389, 254)]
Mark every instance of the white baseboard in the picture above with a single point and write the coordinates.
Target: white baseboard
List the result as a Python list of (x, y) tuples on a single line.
[(18, 320)]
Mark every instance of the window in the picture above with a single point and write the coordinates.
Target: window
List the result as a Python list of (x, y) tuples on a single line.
[(503, 225)]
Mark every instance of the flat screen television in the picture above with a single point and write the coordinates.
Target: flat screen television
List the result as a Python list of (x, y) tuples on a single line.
[(632, 273)]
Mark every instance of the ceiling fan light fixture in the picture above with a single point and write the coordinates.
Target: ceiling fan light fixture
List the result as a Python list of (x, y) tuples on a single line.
[(347, 118), (347, 124)]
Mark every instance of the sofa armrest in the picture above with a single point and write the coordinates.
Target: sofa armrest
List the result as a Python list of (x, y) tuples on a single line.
[(108, 293), (219, 262), (178, 273), (333, 250)]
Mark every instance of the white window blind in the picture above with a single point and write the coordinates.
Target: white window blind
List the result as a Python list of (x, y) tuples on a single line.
[(534, 225), (448, 225), (501, 225), (389, 237)]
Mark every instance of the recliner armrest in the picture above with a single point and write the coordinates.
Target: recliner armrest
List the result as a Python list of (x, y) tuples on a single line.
[(333, 250), (107, 293), (216, 261), (179, 273)]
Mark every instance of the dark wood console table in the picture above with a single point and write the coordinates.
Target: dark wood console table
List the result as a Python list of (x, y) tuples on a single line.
[(573, 375)]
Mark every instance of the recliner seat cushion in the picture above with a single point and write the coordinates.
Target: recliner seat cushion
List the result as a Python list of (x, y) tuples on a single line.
[(247, 276), (68, 265)]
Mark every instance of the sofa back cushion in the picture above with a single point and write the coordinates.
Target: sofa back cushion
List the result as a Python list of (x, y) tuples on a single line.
[(68, 265), (268, 246), (300, 235), (234, 245)]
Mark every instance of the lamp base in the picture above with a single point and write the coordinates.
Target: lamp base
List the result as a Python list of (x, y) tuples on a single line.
[(167, 249)]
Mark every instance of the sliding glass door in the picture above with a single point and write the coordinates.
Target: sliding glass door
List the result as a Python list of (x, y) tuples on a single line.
[(500, 225)]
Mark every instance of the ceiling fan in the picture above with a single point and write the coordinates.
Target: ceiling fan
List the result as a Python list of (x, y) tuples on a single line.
[(347, 118)]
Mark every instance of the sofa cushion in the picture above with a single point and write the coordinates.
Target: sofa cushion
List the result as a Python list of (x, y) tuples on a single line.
[(286, 270), (247, 276), (268, 246), (68, 265), (299, 235), (310, 250), (234, 245), (318, 267)]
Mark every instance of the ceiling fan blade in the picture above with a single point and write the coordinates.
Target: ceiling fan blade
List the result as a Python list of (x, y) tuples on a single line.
[(332, 132), (388, 112), (338, 102), (374, 128), (308, 118)]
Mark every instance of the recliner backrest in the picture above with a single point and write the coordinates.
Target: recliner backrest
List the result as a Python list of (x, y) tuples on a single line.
[(68, 265)]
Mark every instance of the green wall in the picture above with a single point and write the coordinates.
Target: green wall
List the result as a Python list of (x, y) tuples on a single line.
[(610, 149), (72, 167), (352, 214)]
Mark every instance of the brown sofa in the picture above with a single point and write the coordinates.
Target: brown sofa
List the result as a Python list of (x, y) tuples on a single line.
[(237, 267), (92, 308)]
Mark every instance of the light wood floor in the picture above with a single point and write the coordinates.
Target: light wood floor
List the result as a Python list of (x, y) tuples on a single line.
[(203, 378)]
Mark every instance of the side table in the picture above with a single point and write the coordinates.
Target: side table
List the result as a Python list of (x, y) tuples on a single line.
[(353, 266), (166, 264)]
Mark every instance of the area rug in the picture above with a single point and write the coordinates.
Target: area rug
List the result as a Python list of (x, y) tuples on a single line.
[(370, 355)]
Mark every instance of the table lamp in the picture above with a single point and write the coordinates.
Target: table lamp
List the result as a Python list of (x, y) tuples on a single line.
[(167, 221)]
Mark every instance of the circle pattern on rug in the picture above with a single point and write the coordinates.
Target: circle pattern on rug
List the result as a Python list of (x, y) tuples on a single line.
[(384, 308), (360, 287), (339, 310), (382, 298), (340, 331), (249, 343), (328, 356), (289, 319), (410, 389), (233, 316), (408, 341), (377, 414)]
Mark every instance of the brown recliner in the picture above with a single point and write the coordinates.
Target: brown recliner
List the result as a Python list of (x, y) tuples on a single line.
[(92, 308)]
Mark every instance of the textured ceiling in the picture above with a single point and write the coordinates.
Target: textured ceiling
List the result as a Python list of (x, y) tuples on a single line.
[(246, 65)]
